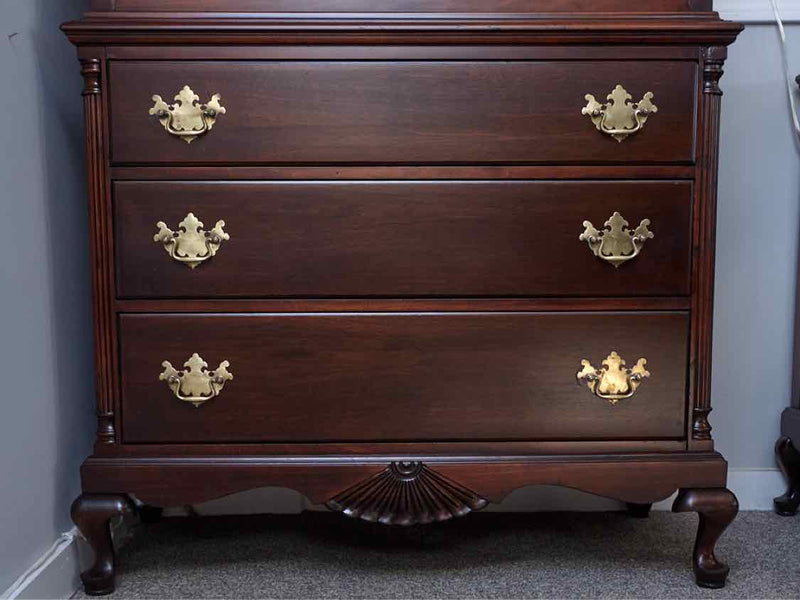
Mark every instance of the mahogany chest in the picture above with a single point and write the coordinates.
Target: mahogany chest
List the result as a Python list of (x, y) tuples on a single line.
[(402, 256)]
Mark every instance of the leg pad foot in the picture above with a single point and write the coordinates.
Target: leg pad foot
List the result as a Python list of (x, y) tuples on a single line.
[(717, 507), (92, 514), (789, 461)]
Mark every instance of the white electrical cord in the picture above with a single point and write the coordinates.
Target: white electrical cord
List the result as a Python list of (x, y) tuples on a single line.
[(790, 83)]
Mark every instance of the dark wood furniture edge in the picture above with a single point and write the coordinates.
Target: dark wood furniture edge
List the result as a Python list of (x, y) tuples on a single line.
[(545, 449), (404, 53), (260, 6), (641, 479), (394, 173), (356, 29), (704, 255), (101, 245), (787, 455), (394, 305)]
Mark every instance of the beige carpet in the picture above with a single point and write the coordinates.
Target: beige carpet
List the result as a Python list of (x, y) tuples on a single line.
[(540, 555)]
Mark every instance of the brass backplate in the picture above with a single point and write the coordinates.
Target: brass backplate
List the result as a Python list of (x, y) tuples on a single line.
[(191, 244), (196, 384), (187, 118), (620, 117), (616, 243), (612, 381)]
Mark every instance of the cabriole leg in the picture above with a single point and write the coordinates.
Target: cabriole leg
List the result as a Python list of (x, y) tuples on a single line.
[(92, 514), (717, 507), (789, 462)]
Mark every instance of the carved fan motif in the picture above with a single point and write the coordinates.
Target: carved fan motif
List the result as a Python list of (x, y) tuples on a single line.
[(406, 493)]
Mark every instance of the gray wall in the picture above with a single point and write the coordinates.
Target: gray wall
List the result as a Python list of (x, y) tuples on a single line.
[(757, 249), (46, 350), (47, 422)]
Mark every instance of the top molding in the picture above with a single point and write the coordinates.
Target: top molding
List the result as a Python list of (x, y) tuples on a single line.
[(167, 29), (402, 6), (745, 11)]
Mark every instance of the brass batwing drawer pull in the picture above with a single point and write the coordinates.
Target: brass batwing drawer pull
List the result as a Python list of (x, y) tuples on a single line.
[(187, 118), (612, 381), (197, 384), (616, 243), (620, 117), (191, 244)]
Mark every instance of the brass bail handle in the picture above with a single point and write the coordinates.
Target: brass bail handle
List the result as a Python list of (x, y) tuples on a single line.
[(196, 384), (191, 244), (620, 117), (616, 243), (187, 118), (613, 381)]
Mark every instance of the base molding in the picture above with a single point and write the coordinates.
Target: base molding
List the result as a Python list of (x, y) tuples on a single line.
[(755, 489), (635, 478), (403, 491)]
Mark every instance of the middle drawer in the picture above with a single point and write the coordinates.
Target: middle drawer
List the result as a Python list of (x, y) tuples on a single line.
[(402, 239)]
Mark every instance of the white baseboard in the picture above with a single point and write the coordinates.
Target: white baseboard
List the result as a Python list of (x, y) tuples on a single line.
[(756, 488), (55, 574), (757, 11)]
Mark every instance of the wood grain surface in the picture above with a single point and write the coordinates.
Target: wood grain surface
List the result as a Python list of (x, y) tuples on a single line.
[(405, 112), (402, 239), (406, 377)]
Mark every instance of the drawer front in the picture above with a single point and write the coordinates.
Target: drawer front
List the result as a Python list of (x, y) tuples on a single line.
[(402, 239), (402, 112), (401, 377)]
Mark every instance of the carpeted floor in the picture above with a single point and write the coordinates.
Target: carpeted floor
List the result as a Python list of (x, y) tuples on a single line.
[(537, 555)]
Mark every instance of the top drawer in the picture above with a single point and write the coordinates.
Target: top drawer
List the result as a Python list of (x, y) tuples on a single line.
[(404, 112)]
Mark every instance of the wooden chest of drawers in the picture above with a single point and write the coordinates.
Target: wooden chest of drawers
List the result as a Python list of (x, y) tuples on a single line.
[(403, 257)]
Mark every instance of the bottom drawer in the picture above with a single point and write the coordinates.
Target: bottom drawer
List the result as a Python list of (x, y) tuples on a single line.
[(400, 377)]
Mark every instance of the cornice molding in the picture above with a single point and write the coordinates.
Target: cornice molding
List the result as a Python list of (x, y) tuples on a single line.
[(757, 11), (449, 30)]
